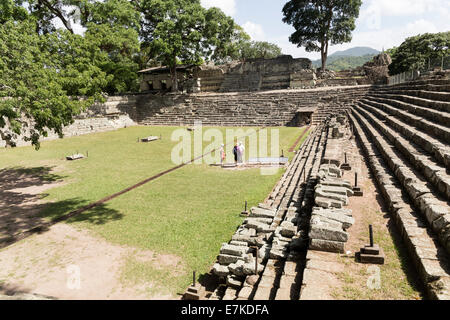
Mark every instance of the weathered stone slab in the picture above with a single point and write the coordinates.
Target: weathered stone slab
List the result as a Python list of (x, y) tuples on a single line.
[(245, 292), (233, 250), (326, 233), (344, 219), (336, 183), (234, 283), (326, 245), (336, 190), (262, 293), (244, 231), (434, 212), (248, 239), (149, 139), (320, 192), (262, 213), (239, 243), (327, 266), (327, 202), (249, 268), (236, 268), (220, 270), (260, 220), (277, 254), (324, 222), (226, 259), (441, 223), (265, 206), (440, 289), (75, 156), (288, 231), (230, 294)]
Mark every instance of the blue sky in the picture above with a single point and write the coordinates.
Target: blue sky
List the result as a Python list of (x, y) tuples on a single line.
[(381, 23)]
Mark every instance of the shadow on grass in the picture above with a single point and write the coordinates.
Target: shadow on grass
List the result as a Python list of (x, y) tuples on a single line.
[(21, 210), (67, 210)]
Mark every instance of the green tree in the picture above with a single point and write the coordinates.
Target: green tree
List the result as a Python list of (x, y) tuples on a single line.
[(113, 26), (319, 23), (42, 78), (258, 49), (11, 10), (49, 75), (182, 31), (417, 52)]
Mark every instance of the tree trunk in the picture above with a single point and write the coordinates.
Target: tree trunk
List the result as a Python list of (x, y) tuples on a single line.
[(174, 78), (324, 59), (324, 54)]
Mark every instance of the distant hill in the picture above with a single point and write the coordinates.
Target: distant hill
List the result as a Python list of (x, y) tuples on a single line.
[(348, 59), (356, 52)]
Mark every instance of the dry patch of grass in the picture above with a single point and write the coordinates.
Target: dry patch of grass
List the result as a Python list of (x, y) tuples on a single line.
[(396, 276)]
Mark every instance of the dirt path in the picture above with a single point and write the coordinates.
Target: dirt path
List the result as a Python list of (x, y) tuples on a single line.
[(21, 194), (63, 262), (67, 263), (339, 276)]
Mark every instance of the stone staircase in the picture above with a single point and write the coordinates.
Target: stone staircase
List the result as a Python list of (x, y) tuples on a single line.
[(270, 108), (279, 228), (405, 133)]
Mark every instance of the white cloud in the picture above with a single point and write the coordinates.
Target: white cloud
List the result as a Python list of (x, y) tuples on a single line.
[(255, 31), (378, 39), (401, 7), (289, 48), (227, 6), (388, 38)]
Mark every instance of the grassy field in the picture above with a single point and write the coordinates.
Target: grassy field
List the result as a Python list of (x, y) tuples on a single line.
[(187, 213)]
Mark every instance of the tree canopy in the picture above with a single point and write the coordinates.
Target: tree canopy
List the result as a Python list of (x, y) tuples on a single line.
[(41, 78), (258, 49), (417, 52), (182, 31), (319, 23), (49, 75), (49, 72)]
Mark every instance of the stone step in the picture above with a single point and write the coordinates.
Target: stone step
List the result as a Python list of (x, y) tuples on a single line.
[(436, 116), (419, 158), (431, 95), (443, 87), (423, 246), (438, 131), (426, 103), (431, 207), (439, 151)]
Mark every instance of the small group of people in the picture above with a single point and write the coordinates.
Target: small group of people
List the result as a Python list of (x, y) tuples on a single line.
[(238, 152)]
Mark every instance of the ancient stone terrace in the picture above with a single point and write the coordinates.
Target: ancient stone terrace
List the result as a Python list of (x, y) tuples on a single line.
[(403, 131), (270, 108)]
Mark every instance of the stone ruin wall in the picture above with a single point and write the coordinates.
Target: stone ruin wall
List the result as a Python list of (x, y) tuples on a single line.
[(99, 118), (283, 72), (275, 108), (269, 108)]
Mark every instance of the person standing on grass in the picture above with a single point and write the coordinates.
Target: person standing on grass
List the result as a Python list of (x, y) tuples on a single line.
[(222, 154), (241, 150), (235, 152)]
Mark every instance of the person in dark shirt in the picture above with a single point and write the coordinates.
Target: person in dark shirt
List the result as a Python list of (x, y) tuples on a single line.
[(235, 152)]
